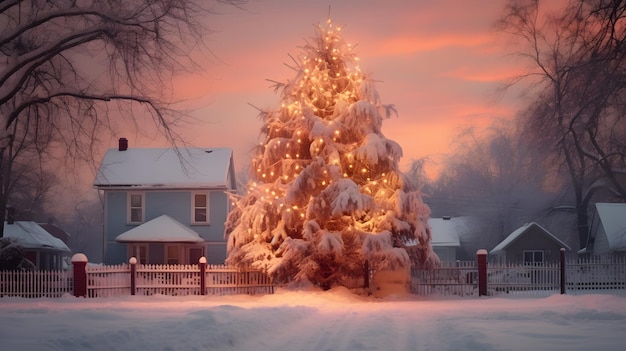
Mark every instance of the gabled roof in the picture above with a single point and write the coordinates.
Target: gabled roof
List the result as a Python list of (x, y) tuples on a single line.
[(519, 232), (163, 229), (55, 231), (32, 236), (613, 219), (203, 168), (445, 231)]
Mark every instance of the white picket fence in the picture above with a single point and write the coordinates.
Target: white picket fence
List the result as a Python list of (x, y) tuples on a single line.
[(607, 274), (524, 279), (594, 275), (108, 281), (115, 280), (175, 280), (452, 278), (35, 283)]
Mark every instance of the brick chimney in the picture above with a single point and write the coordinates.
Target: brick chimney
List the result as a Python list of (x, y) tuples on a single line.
[(123, 144)]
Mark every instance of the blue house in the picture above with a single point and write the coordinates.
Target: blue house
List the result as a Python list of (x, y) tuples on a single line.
[(165, 205)]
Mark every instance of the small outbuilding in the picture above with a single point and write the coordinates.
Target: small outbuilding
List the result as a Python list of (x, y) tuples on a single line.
[(41, 248), (529, 244), (445, 236)]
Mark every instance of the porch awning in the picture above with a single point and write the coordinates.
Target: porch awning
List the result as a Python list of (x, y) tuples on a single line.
[(163, 229)]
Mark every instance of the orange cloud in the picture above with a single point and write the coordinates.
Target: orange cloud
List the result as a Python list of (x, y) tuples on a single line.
[(405, 45), (484, 74)]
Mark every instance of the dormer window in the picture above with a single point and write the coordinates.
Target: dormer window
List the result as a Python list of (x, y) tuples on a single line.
[(200, 208), (136, 208)]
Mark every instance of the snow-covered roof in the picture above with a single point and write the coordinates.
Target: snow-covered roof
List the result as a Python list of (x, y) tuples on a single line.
[(445, 232), (32, 236), (163, 229), (167, 168), (613, 218), (519, 232)]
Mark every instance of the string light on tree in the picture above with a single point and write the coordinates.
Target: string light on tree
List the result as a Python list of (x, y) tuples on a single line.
[(327, 194)]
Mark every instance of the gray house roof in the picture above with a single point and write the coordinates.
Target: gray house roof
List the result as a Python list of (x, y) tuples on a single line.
[(519, 232), (163, 229), (613, 219), (204, 168), (445, 231), (32, 236)]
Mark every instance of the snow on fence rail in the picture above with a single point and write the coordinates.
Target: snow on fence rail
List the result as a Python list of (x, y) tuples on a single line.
[(573, 276), (35, 283)]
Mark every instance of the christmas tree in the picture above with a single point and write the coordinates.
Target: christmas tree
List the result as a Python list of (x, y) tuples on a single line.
[(326, 194)]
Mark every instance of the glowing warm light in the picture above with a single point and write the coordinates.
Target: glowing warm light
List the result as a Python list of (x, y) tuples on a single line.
[(320, 112)]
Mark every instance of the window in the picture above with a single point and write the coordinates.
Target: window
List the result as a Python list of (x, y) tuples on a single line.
[(140, 252), (200, 206), (135, 208), (194, 254), (172, 255), (533, 257)]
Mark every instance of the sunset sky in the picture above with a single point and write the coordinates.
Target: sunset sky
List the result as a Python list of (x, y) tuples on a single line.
[(439, 62)]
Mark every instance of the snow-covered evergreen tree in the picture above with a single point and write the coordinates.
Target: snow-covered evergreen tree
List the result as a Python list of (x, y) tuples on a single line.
[(326, 193)]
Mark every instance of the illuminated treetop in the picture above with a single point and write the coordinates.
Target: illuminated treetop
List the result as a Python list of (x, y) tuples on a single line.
[(326, 193)]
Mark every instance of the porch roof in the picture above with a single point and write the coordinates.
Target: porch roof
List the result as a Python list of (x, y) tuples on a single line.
[(163, 229)]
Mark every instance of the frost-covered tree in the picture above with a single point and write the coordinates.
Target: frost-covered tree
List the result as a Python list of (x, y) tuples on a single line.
[(326, 194), (68, 67)]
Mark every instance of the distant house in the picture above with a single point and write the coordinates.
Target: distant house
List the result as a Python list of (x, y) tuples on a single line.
[(40, 247), (56, 231), (607, 231), (529, 244), (445, 236), (165, 205)]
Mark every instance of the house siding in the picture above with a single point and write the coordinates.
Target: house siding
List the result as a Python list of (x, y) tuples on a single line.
[(445, 253), (533, 239), (601, 243), (174, 203)]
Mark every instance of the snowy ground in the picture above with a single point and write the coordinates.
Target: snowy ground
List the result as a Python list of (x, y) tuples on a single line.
[(309, 320)]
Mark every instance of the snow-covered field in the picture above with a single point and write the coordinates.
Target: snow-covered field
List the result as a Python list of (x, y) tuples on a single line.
[(313, 320)]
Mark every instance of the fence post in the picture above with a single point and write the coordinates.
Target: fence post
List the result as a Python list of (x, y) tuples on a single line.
[(79, 263), (481, 257), (202, 264), (133, 275), (562, 260)]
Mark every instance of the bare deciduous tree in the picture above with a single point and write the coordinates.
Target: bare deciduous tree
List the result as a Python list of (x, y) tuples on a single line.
[(580, 60), (66, 64), (494, 177)]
